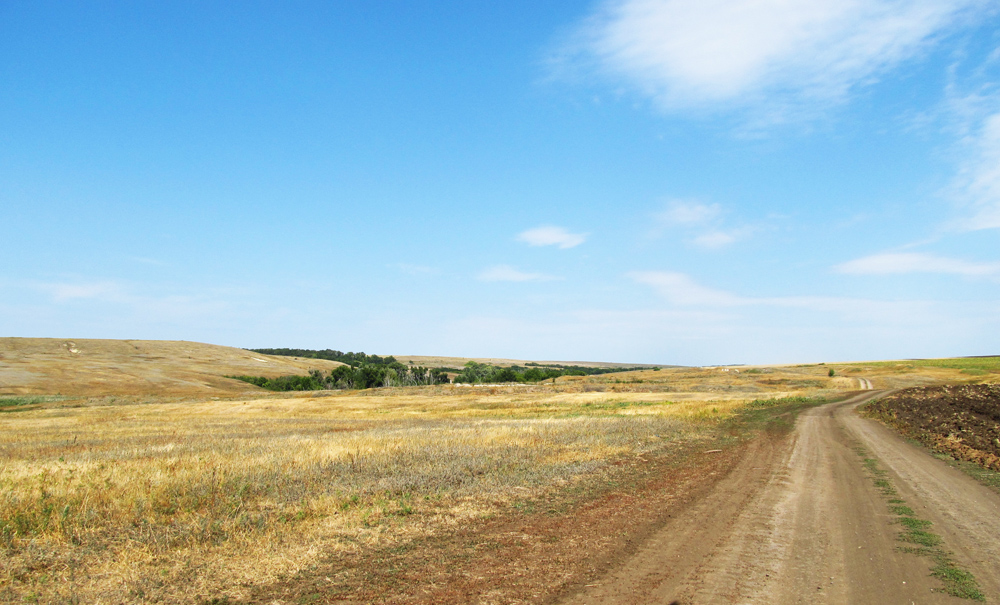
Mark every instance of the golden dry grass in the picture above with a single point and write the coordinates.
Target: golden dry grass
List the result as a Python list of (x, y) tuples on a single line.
[(121, 501), (169, 502), (136, 367)]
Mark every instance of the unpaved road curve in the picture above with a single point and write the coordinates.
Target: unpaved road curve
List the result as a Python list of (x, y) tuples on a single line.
[(799, 521)]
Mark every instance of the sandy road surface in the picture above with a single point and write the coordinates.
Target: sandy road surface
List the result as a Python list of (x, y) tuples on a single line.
[(799, 521)]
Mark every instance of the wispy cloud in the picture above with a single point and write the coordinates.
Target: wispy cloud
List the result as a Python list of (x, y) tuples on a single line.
[(693, 54), (912, 262), (103, 290), (699, 217), (977, 186), (681, 290), (552, 236), (508, 273), (130, 299), (715, 239), (688, 213)]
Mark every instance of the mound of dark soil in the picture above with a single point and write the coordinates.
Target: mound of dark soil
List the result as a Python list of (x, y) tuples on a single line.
[(962, 420)]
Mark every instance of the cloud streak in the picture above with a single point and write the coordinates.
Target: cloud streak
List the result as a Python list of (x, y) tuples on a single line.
[(681, 290), (688, 213), (697, 216), (977, 185), (506, 273), (689, 54), (715, 239), (552, 236), (104, 291), (898, 263)]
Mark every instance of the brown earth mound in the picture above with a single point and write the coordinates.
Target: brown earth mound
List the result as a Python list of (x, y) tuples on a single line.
[(962, 420)]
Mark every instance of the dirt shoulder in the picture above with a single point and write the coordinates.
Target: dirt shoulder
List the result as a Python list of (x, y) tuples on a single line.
[(542, 551), (807, 523)]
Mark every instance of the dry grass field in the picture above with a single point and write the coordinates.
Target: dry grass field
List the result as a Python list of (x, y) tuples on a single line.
[(50, 366), (161, 498)]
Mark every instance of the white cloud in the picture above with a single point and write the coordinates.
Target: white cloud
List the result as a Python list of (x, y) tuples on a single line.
[(689, 54), (508, 273), (694, 216), (912, 262), (108, 291), (552, 236), (680, 289), (688, 213), (715, 239)]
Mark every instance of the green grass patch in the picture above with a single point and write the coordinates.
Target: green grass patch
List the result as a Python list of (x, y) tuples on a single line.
[(923, 538), (984, 364), (911, 522), (772, 415), (757, 404), (13, 403), (621, 405), (9, 402), (872, 465), (956, 581), (985, 476)]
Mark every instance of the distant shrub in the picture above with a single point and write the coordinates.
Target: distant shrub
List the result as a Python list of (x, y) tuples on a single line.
[(347, 377), (485, 373)]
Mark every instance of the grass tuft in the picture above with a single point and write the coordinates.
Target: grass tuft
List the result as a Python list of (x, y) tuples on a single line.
[(956, 581)]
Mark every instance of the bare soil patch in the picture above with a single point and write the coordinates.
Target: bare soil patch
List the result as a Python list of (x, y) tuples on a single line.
[(962, 420)]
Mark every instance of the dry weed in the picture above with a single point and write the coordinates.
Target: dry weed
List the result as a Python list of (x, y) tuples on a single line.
[(147, 503)]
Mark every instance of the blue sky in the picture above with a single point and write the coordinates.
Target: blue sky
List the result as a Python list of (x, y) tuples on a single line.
[(662, 181)]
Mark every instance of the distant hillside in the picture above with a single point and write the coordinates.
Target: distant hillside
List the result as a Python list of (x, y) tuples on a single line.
[(51, 366)]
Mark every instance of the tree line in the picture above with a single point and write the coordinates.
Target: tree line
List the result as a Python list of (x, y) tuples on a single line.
[(365, 371), (351, 359), (365, 376), (480, 373)]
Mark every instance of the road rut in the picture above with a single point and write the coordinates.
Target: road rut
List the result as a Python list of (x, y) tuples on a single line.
[(799, 521)]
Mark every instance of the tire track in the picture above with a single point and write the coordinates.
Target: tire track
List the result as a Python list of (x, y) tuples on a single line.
[(800, 522)]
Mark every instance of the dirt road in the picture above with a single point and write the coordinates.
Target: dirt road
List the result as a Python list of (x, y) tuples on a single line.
[(801, 521)]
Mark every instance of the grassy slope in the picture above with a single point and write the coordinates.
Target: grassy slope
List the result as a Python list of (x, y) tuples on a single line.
[(49, 366)]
